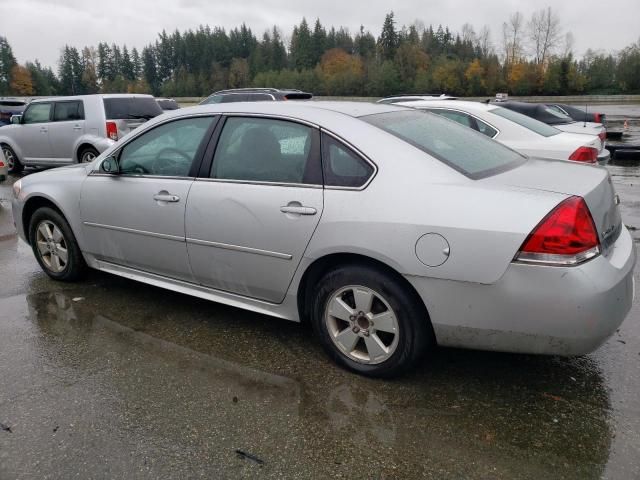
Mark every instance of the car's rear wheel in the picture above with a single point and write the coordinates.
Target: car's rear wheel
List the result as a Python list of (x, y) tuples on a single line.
[(12, 160), (55, 246), (88, 154), (369, 322)]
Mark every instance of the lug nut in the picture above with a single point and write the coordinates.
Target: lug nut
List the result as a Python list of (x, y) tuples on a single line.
[(356, 329), (365, 333), (352, 318)]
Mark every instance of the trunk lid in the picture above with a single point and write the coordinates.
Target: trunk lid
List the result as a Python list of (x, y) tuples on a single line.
[(589, 182)]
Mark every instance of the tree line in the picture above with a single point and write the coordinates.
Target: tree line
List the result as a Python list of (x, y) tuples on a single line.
[(534, 57)]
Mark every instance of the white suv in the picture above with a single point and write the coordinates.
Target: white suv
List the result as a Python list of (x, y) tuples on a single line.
[(62, 130)]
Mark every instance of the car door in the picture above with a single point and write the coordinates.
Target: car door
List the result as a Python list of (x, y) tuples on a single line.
[(249, 221), (136, 217), (32, 136), (66, 128)]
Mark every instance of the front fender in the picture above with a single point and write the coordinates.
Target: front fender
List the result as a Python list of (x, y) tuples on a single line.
[(9, 141)]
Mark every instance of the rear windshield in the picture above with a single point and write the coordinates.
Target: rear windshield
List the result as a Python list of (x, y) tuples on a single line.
[(131, 107), (527, 122), (463, 149)]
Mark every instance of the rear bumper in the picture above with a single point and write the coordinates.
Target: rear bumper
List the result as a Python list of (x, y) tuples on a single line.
[(536, 309)]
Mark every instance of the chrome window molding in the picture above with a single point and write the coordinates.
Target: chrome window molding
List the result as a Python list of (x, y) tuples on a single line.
[(258, 182), (274, 116), (96, 173), (358, 152), (239, 248)]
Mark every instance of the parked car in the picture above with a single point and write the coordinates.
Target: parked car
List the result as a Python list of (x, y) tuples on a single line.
[(517, 131), (255, 95), (579, 115), (416, 98), (62, 130), (10, 107), (167, 104), (390, 229), (555, 118), (4, 167)]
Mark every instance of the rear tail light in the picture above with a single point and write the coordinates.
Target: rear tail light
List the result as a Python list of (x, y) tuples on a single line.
[(597, 118), (566, 236), (585, 154), (112, 131), (1, 164)]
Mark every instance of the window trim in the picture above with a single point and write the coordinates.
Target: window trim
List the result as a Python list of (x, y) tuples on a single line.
[(356, 151), (56, 103), (467, 113), (207, 165), (49, 102), (197, 160)]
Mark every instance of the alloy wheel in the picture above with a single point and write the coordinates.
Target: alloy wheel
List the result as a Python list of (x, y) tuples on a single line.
[(52, 246), (88, 156), (8, 156), (362, 324)]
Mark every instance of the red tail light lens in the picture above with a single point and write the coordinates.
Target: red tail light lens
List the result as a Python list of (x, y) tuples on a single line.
[(585, 154), (566, 236), (112, 131), (1, 163), (597, 118)]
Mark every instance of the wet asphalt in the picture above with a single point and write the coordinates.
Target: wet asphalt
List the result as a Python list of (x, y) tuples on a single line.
[(110, 378)]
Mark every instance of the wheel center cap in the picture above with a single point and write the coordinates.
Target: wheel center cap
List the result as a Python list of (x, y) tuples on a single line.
[(363, 322)]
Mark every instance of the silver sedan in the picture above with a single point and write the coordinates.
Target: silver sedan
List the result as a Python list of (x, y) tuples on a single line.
[(391, 230)]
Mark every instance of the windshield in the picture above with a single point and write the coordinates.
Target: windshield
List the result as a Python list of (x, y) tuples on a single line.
[(527, 122), (131, 107), (463, 149)]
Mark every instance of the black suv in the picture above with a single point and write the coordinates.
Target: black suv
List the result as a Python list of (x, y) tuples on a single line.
[(255, 95)]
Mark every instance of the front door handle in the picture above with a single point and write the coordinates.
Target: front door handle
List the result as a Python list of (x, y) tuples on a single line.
[(298, 210), (166, 197), (44, 129), (77, 127)]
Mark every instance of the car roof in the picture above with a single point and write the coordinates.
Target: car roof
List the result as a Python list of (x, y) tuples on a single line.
[(316, 112), (96, 95), (459, 104), (534, 110)]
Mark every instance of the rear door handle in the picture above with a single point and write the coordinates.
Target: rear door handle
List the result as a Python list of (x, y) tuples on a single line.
[(166, 197), (77, 127), (44, 129), (298, 210)]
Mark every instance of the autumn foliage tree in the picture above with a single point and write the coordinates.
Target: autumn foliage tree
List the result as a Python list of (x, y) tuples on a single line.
[(21, 82), (341, 73)]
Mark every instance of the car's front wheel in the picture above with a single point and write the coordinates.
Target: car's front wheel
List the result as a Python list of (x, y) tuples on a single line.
[(370, 322), (13, 163), (55, 246)]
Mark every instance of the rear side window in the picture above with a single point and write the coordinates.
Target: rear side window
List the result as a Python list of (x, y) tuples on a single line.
[(267, 150), (37, 113), (131, 107), (68, 111), (527, 122), (468, 152), (468, 121), (341, 166), (259, 97)]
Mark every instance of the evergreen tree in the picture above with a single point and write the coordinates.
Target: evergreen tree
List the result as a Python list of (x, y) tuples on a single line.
[(388, 41), (7, 62)]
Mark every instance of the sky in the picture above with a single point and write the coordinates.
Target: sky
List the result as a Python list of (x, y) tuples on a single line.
[(40, 28)]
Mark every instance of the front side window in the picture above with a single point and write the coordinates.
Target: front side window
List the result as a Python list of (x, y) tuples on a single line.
[(267, 150), (167, 150), (468, 152), (37, 113), (341, 166), (68, 111)]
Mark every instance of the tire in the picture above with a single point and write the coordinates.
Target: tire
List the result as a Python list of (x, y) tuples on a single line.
[(12, 159), (393, 306), (47, 223), (88, 154)]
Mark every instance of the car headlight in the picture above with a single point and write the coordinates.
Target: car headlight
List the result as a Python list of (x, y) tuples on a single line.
[(17, 187)]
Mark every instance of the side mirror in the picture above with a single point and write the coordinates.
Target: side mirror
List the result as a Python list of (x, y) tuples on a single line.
[(16, 119), (110, 166)]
